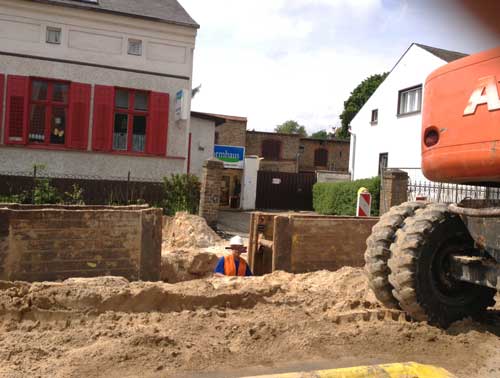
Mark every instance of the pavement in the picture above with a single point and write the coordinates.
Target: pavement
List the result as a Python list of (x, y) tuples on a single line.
[(234, 222)]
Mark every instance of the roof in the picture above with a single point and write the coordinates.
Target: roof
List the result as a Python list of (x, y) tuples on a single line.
[(327, 140), (227, 117), (218, 121), (168, 11), (446, 55)]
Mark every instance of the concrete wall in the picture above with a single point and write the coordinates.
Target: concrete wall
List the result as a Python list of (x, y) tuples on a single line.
[(305, 243), (338, 155), (252, 166), (202, 143), (93, 38), (232, 133), (40, 243), (397, 136)]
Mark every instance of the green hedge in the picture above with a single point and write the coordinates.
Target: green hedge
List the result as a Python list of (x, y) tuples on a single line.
[(340, 198)]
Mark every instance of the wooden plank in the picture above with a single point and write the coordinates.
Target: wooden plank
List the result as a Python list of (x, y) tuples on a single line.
[(282, 244)]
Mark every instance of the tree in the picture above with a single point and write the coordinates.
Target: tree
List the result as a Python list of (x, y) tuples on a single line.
[(291, 127), (321, 134), (357, 99)]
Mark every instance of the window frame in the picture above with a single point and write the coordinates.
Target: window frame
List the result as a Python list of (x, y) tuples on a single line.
[(409, 89), (48, 104), (130, 43), (279, 142), (53, 29), (373, 121), (316, 158), (131, 112)]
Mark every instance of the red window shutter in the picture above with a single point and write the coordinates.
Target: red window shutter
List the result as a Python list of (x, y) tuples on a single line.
[(157, 131), (79, 115), (16, 120), (102, 129)]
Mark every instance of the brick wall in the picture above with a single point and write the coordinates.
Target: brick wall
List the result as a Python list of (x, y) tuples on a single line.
[(45, 243), (211, 190), (289, 147), (232, 133), (338, 155)]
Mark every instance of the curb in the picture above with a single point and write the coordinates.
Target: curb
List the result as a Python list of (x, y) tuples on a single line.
[(399, 370)]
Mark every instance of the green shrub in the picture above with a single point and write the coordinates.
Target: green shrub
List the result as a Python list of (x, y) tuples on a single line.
[(44, 193), (181, 193), (340, 198), (75, 197)]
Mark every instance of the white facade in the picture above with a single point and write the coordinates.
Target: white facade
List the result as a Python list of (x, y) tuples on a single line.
[(202, 143), (396, 135), (249, 191), (94, 50)]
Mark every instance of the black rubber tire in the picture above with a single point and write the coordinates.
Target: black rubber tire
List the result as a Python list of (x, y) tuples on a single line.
[(378, 250), (421, 285)]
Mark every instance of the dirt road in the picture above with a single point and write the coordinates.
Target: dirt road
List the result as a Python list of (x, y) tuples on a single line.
[(108, 327)]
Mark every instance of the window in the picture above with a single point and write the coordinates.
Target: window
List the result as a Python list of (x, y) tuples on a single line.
[(130, 120), (410, 100), (271, 149), (374, 120), (383, 162), (216, 138), (135, 47), (48, 112), (53, 35), (321, 157)]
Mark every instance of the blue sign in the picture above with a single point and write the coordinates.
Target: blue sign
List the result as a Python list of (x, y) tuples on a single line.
[(231, 156)]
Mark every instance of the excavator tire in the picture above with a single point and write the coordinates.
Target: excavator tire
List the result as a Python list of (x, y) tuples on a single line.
[(378, 250), (418, 265)]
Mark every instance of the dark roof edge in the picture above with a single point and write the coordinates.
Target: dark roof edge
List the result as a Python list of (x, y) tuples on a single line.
[(327, 140), (195, 25), (218, 121)]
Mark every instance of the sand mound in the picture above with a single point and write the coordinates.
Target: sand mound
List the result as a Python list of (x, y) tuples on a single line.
[(185, 265), (109, 327), (186, 231)]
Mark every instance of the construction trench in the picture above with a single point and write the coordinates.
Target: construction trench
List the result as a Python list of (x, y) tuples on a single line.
[(189, 324)]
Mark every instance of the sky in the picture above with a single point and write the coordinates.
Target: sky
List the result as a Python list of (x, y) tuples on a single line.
[(278, 60)]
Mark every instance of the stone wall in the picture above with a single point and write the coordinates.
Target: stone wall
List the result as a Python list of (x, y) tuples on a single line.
[(338, 155), (46, 243), (393, 189), (210, 190), (232, 133)]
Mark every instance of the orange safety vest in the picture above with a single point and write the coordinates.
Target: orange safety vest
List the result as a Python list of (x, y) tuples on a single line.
[(230, 266)]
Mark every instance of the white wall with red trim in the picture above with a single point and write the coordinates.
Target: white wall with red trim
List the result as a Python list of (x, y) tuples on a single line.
[(88, 150)]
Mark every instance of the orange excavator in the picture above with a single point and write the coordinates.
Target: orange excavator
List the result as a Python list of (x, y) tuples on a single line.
[(441, 262)]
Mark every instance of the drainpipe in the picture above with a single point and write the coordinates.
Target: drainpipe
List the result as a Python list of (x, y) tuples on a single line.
[(353, 143)]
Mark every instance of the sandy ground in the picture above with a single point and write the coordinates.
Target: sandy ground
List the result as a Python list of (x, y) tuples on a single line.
[(108, 327)]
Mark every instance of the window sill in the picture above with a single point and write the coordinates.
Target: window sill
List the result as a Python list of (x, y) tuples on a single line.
[(408, 114), (68, 149), (372, 123)]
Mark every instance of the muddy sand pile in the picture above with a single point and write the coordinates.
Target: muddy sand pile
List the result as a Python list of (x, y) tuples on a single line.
[(190, 248), (108, 327)]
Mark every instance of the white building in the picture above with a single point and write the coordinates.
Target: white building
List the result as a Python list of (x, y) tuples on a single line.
[(88, 87), (386, 131)]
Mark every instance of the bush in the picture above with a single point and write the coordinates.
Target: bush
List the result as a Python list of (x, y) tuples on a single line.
[(340, 198), (182, 193)]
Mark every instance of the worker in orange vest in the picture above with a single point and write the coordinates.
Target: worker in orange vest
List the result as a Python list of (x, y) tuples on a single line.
[(233, 264)]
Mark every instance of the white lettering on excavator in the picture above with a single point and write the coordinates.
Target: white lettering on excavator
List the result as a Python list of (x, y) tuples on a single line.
[(486, 92)]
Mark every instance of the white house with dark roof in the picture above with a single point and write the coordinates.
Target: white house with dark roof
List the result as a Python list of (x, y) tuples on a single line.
[(88, 87), (386, 131)]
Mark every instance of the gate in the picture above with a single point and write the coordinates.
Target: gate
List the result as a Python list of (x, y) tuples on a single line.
[(285, 191)]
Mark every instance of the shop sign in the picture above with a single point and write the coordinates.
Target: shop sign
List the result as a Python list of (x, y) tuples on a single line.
[(231, 156)]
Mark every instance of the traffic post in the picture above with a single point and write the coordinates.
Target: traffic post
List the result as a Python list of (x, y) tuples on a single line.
[(363, 208)]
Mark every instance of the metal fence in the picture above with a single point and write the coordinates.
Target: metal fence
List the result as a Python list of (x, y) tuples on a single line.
[(96, 190), (419, 188)]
